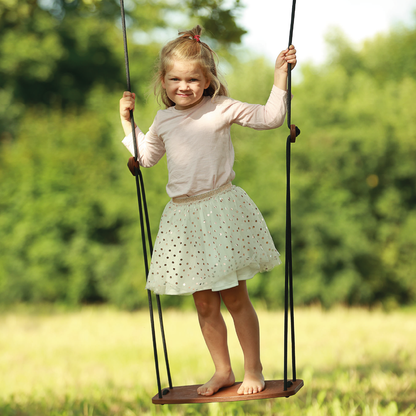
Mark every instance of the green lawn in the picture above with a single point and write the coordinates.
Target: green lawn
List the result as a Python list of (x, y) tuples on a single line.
[(99, 361)]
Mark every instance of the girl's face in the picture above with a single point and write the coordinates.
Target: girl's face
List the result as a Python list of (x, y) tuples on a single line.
[(185, 83)]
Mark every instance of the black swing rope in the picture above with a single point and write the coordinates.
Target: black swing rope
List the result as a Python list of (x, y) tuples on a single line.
[(145, 227), (294, 132), (144, 218)]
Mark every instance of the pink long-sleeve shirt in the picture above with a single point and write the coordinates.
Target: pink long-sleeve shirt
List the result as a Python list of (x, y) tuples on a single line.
[(197, 141)]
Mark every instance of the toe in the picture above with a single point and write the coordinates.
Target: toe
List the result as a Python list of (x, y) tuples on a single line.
[(205, 391), (209, 392)]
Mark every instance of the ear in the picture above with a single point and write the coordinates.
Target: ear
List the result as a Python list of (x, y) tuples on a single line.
[(207, 84), (162, 80)]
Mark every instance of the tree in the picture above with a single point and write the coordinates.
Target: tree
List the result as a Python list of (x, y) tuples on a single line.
[(54, 53), (69, 227), (355, 198), (66, 235)]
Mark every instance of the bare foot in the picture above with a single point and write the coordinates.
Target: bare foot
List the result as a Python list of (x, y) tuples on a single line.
[(253, 383), (217, 381)]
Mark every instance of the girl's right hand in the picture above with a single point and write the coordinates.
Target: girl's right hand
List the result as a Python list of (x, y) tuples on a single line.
[(126, 104)]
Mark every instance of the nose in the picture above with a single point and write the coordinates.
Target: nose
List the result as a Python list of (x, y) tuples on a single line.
[(183, 86)]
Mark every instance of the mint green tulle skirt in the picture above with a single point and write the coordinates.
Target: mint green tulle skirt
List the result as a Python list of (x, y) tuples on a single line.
[(210, 242)]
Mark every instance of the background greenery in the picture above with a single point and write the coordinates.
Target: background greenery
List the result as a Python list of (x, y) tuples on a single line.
[(69, 230)]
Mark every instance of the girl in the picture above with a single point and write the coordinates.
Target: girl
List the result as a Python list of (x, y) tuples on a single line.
[(212, 237)]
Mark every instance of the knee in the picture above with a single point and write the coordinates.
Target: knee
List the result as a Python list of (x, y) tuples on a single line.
[(234, 303), (236, 300), (206, 307)]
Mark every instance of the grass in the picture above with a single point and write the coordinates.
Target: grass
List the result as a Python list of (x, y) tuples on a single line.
[(99, 361)]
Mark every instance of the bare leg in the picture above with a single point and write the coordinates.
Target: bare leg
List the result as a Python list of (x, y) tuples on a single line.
[(214, 330), (246, 324)]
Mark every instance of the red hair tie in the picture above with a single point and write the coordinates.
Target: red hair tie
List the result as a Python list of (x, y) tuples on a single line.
[(197, 38)]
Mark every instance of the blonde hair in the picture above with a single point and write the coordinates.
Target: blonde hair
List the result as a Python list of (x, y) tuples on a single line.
[(188, 47)]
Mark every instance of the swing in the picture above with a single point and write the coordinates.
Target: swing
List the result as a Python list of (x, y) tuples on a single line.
[(188, 394)]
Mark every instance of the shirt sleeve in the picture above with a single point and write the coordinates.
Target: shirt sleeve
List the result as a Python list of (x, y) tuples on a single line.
[(261, 117), (150, 148)]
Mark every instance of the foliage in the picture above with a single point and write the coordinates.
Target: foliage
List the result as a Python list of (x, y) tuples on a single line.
[(68, 219), (66, 235), (353, 199), (356, 197), (219, 21), (56, 52)]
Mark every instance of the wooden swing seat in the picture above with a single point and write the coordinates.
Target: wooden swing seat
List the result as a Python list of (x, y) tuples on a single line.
[(188, 394)]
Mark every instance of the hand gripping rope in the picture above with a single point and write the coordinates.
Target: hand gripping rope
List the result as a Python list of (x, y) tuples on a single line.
[(188, 394)]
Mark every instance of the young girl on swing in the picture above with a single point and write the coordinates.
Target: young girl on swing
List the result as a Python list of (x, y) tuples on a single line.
[(212, 237)]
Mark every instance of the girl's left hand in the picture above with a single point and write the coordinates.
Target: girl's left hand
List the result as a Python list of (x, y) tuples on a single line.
[(285, 57)]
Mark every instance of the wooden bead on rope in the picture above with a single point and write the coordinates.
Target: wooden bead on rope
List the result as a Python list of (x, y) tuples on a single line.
[(133, 164), (294, 132)]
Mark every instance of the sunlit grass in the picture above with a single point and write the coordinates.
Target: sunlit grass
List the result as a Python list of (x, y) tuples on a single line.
[(99, 361)]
